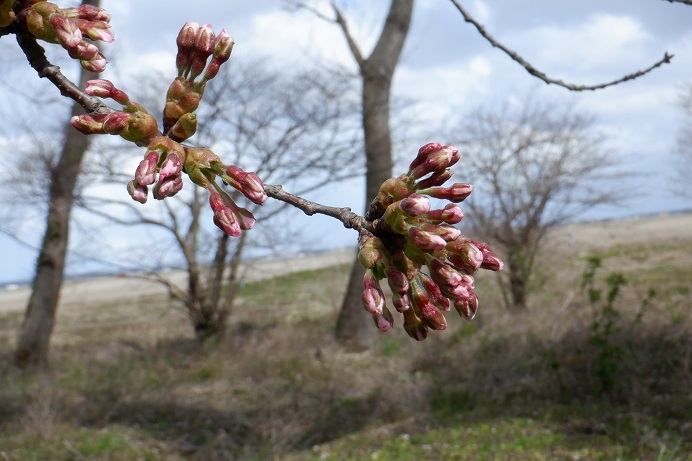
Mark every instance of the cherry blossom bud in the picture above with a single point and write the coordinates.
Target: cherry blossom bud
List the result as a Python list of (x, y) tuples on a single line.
[(66, 30), (137, 191), (401, 301), (223, 216), (223, 46), (371, 251), (425, 240), (450, 214), (385, 320), (186, 42), (167, 187), (490, 260), (373, 297), (95, 65), (171, 166), (248, 183), (92, 13), (184, 128), (435, 294), (105, 89), (204, 47), (146, 171), (415, 205), (464, 255), (116, 122), (423, 154), (457, 193), (398, 282), (85, 52), (448, 233), (89, 123), (432, 158), (413, 325), (436, 179), (96, 30), (467, 307)]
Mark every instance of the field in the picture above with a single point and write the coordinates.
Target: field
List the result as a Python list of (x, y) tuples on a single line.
[(565, 379)]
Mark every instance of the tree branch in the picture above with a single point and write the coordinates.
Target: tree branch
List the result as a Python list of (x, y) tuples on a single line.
[(349, 219), (684, 2), (538, 74), (37, 59), (352, 45)]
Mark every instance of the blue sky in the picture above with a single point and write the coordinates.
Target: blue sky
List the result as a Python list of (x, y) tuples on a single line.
[(446, 68)]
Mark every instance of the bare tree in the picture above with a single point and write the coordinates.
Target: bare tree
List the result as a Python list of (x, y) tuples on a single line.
[(536, 166), (34, 337), (295, 128), (683, 147)]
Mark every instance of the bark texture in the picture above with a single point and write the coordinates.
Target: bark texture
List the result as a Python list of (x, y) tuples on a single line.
[(354, 329)]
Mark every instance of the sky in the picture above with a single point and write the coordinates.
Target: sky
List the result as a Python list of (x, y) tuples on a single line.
[(447, 70)]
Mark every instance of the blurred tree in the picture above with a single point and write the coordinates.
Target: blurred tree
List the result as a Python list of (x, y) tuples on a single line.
[(295, 128), (34, 336), (353, 329), (536, 165), (683, 148)]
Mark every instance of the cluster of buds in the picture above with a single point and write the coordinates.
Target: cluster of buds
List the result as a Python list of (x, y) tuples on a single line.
[(166, 159), (170, 159), (133, 123), (195, 45), (428, 263), (69, 27)]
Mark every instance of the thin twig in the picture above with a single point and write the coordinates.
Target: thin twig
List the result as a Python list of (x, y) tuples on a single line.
[(684, 2), (349, 219), (538, 74)]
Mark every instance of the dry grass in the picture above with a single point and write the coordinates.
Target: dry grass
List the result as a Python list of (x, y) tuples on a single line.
[(128, 382)]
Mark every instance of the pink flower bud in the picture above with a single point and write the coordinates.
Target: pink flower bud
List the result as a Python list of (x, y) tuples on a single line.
[(384, 321), (414, 326), (105, 89), (167, 187), (435, 292), (171, 166), (398, 282), (450, 214), (490, 260), (66, 30), (464, 255), (116, 122), (92, 13), (96, 64), (436, 179), (248, 183), (371, 252), (433, 158), (457, 193), (96, 30), (467, 307), (223, 216), (89, 123), (146, 171), (401, 301), (373, 297), (415, 205), (444, 274), (448, 233), (186, 42), (137, 191), (425, 240), (223, 46), (203, 48), (84, 51)]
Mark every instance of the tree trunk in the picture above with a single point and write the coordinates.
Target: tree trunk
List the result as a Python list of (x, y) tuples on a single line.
[(518, 277), (34, 336), (354, 328)]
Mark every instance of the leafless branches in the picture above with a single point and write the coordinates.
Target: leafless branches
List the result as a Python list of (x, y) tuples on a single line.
[(542, 76)]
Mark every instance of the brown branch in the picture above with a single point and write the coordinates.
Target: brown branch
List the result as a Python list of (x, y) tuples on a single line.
[(36, 56), (537, 73), (684, 2), (349, 219), (352, 45)]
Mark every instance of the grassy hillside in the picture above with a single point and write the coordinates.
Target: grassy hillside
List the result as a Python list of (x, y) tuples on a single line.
[(564, 380)]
